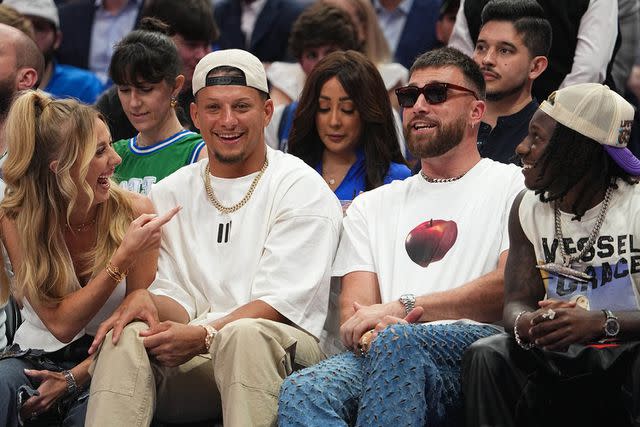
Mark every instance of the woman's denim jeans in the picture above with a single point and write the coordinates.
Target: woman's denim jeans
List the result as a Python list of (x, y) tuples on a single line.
[(16, 387), (409, 377)]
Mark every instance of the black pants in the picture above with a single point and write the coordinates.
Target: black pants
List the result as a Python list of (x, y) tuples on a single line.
[(505, 385)]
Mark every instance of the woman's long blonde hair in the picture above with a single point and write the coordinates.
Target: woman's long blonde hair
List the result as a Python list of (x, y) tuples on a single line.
[(39, 131)]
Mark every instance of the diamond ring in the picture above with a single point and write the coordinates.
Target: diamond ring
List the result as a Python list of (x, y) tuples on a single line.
[(549, 315)]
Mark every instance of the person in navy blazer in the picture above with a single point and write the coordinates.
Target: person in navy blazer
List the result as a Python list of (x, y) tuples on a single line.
[(76, 22), (419, 32), (269, 41)]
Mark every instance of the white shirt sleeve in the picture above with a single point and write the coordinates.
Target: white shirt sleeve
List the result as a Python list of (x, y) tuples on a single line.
[(460, 37), (354, 251), (517, 185), (172, 278), (596, 40), (295, 268)]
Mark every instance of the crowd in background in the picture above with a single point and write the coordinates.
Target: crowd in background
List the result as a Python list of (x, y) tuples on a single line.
[(347, 88)]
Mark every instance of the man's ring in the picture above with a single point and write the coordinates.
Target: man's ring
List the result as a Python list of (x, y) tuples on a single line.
[(365, 342), (549, 315)]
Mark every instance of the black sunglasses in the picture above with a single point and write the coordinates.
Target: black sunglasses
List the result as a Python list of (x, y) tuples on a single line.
[(434, 93)]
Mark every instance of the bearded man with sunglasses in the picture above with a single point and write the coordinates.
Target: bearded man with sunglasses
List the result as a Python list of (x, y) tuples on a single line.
[(429, 250)]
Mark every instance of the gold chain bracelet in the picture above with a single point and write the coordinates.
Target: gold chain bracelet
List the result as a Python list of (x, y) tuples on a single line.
[(115, 273)]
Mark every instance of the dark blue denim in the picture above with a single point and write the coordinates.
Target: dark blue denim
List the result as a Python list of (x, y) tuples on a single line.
[(16, 387), (409, 377)]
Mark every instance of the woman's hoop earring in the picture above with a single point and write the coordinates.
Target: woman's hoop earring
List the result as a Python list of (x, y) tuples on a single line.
[(173, 102)]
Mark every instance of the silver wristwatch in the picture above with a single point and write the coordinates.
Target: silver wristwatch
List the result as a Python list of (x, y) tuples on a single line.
[(611, 325), (409, 302), (72, 386)]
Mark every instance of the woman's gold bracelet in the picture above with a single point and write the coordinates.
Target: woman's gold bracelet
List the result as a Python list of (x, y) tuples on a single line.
[(115, 273)]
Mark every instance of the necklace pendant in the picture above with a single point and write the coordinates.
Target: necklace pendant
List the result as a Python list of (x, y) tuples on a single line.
[(565, 271), (224, 217), (224, 228)]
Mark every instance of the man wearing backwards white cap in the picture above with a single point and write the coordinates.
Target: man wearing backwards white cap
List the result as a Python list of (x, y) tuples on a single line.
[(242, 286), (572, 276)]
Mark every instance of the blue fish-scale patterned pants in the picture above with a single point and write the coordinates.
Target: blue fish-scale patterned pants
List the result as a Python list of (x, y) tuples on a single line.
[(410, 377)]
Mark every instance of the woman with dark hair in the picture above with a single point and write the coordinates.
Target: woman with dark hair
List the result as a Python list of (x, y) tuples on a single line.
[(344, 126), (194, 31), (145, 67)]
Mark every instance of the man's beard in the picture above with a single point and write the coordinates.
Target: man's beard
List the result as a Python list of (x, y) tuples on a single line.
[(7, 92), (229, 160), (499, 96), (446, 137)]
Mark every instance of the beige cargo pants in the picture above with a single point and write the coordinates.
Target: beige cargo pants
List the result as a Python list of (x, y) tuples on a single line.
[(239, 380)]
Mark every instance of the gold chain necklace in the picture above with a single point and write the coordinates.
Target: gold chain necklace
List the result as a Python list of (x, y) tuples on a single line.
[(440, 180), (216, 203), (80, 227)]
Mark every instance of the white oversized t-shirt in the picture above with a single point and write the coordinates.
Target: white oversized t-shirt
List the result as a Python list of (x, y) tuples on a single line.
[(420, 237), (277, 248)]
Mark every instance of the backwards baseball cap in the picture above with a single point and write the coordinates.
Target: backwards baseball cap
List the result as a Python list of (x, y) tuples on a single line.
[(251, 67), (599, 113), (45, 9)]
